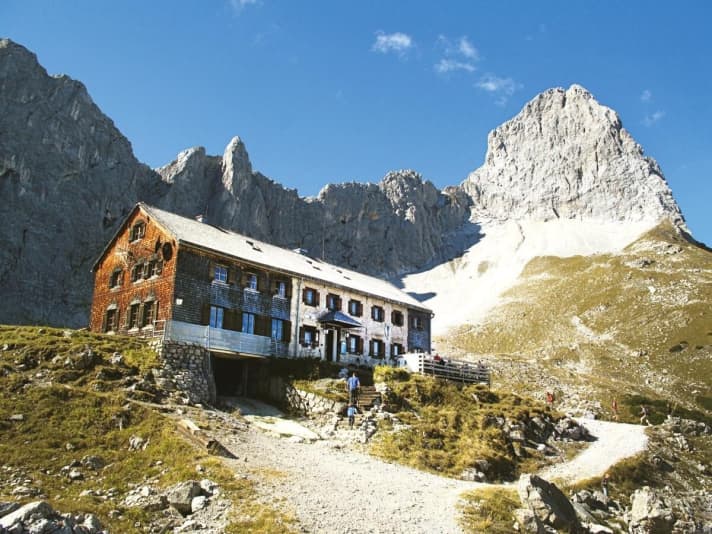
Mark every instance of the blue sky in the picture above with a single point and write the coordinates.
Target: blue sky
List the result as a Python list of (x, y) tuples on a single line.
[(338, 91)]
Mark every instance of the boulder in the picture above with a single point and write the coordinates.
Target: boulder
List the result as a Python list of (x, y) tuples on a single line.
[(649, 514), (549, 505), (180, 496)]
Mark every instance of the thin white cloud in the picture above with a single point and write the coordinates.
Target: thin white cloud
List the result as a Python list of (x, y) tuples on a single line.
[(397, 42), (460, 55), (646, 96), (495, 84), (502, 88), (466, 48), (653, 118), (238, 5), (449, 65)]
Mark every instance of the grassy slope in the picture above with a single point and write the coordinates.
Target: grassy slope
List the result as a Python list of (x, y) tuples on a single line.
[(71, 413), (634, 324)]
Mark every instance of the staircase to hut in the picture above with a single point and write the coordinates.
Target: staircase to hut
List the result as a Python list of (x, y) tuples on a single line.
[(368, 396)]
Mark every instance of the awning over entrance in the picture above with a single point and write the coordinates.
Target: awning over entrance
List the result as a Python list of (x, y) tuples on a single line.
[(339, 319)]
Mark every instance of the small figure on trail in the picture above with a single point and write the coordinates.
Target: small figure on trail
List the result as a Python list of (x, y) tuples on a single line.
[(644, 412), (353, 385), (438, 359), (604, 484), (549, 399), (351, 413), (614, 409)]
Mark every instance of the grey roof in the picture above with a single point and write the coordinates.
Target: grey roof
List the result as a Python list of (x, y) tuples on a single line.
[(227, 242)]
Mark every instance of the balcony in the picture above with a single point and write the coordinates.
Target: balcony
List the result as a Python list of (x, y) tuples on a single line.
[(218, 339)]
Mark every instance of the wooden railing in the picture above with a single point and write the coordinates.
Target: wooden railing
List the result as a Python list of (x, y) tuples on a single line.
[(455, 370)]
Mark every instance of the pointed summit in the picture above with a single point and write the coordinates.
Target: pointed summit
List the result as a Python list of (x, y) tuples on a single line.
[(565, 156)]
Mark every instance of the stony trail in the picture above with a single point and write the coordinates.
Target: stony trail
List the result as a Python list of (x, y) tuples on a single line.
[(331, 487)]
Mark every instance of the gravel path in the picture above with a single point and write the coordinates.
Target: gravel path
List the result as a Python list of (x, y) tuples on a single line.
[(332, 489), (615, 442)]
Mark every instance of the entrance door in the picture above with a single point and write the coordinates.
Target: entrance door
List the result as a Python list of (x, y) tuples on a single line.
[(329, 346)]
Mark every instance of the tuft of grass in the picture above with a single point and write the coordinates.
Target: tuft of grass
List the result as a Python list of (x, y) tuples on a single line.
[(454, 428), (489, 510)]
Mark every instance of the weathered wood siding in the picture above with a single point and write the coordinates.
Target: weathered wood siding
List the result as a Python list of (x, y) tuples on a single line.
[(125, 255)]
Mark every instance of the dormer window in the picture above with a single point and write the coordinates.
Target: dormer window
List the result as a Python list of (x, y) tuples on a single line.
[(138, 230)]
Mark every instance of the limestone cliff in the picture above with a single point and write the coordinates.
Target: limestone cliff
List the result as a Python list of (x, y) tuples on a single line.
[(567, 156)]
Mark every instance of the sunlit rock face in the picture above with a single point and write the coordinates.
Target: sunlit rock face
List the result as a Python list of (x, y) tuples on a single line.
[(565, 156)]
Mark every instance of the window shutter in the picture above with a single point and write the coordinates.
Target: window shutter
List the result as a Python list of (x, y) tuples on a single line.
[(316, 338), (338, 303), (304, 295), (287, 329), (317, 299), (211, 271), (139, 318), (104, 321), (155, 311), (231, 271), (205, 315), (359, 345), (301, 335)]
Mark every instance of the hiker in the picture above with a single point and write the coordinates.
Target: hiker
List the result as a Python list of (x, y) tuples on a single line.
[(549, 398), (353, 385), (351, 412), (604, 484), (644, 412), (614, 409)]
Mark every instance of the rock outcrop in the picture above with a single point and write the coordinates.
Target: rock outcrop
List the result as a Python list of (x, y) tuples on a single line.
[(545, 507), (567, 156)]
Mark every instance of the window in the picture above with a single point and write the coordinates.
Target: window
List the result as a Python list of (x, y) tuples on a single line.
[(278, 329), (333, 302), (308, 336), (396, 350), (133, 315), (280, 288), (116, 278), (310, 296), (355, 344), (220, 274), (251, 281), (138, 230), (248, 323), (150, 308), (377, 313), (137, 272), (217, 315), (416, 322), (377, 348), (153, 268), (111, 320), (397, 318), (355, 308)]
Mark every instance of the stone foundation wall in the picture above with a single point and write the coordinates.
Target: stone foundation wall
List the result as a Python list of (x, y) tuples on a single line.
[(281, 392), (185, 371)]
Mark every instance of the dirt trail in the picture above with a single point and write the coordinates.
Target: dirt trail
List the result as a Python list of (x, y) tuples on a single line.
[(333, 489)]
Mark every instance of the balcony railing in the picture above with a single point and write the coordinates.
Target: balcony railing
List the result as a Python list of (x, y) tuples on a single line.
[(218, 339)]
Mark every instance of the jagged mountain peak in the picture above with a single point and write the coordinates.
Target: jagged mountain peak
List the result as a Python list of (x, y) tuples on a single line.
[(566, 156)]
